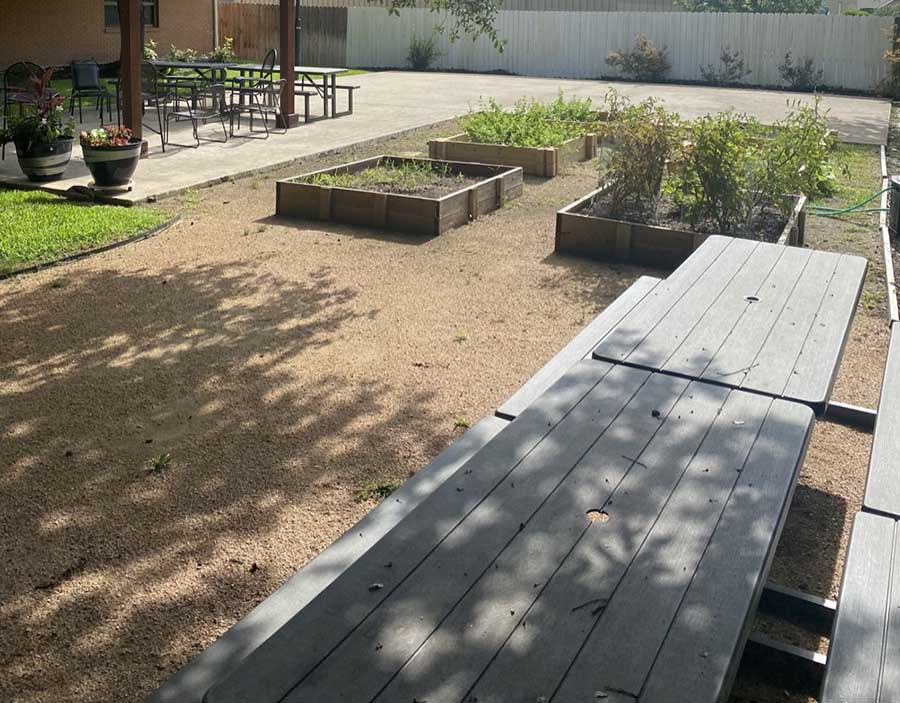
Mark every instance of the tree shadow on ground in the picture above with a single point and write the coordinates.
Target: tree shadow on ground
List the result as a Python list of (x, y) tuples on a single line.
[(108, 555)]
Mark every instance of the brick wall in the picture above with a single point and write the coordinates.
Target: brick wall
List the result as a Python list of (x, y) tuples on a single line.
[(58, 31)]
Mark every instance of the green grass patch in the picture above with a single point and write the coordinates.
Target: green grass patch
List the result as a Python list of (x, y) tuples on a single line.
[(857, 176), (372, 490), (38, 227)]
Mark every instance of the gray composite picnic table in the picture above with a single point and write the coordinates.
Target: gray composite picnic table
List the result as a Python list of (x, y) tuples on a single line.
[(325, 86), (610, 543), (762, 317)]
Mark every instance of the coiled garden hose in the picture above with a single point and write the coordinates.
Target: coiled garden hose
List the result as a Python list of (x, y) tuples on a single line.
[(858, 207)]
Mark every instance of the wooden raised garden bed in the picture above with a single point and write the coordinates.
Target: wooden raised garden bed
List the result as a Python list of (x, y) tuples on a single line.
[(535, 161), (495, 185), (593, 237)]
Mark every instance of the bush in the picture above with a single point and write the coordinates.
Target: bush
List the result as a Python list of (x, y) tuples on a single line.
[(529, 123), (185, 55), (643, 62), (150, 53), (422, 53), (731, 70), (800, 76), (645, 137), (224, 53)]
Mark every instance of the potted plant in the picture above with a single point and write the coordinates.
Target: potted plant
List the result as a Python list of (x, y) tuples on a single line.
[(111, 154), (42, 137)]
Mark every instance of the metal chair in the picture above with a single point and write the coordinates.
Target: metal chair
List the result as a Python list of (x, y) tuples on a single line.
[(258, 94), (199, 105), (156, 92), (18, 82), (86, 84)]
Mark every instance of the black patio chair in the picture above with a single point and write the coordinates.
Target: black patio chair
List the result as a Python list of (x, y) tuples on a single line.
[(86, 84), (199, 105), (17, 82), (156, 93), (259, 94)]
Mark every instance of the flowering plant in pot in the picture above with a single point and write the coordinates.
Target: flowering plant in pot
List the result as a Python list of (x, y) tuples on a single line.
[(42, 136), (111, 154)]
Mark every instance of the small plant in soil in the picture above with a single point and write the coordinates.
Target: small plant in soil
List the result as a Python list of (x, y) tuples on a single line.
[(642, 62), (461, 423), (372, 490), (730, 70), (395, 177), (529, 123), (159, 463), (800, 75)]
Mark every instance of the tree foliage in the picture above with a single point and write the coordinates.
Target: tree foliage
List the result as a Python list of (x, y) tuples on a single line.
[(473, 18), (801, 6)]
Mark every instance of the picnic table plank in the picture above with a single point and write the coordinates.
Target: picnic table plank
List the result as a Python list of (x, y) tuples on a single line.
[(883, 483), (491, 586), (274, 668), (578, 349), (864, 656), (226, 653), (761, 317), (699, 659)]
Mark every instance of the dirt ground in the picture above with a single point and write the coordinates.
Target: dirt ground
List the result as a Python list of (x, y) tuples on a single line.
[(284, 367)]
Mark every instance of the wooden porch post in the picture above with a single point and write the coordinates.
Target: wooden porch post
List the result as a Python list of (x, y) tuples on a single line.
[(286, 18), (130, 20)]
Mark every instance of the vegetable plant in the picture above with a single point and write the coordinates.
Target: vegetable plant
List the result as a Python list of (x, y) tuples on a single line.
[(529, 123)]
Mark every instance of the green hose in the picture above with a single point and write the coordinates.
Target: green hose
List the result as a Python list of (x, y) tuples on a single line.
[(833, 212)]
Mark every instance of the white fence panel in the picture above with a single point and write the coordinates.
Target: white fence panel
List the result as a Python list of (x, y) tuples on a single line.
[(849, 50)]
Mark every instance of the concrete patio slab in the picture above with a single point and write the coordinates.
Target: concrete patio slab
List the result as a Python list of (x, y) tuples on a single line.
[(393, 102)]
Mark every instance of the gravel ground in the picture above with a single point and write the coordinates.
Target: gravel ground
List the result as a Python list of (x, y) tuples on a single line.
[(282, 367)]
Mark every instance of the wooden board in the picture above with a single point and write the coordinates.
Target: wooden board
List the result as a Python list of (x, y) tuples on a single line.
[(579, 348), (864, 656), (560, 556), (589, 236), (298, 198), (762, 317), (535, 161), (225, 654), (883, 485)]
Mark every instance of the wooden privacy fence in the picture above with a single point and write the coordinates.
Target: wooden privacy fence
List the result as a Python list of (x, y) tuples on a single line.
[(849, 50), (254, 26)]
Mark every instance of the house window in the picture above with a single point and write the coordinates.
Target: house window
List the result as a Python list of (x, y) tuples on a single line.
[(111, 13)]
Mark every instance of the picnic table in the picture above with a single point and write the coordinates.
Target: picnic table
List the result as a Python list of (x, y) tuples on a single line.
[(322, 79), (762, 317), (609, 544)]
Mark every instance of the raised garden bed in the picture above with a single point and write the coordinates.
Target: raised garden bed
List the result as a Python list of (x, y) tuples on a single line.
[(579, 233), (459, 193), (535, 161)]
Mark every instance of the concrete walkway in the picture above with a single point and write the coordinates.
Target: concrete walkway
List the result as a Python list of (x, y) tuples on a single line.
[(395, 101)]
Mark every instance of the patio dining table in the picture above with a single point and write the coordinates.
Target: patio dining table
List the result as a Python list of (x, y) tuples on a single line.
[(322, 78), (762, 317), (609, 544)]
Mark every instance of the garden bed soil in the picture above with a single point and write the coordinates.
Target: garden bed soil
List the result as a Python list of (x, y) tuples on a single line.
[(584, 228), (438, 208), (546, 162)]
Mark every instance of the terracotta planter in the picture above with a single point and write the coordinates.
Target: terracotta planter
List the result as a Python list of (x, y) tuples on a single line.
[(113, 166), (45, 162)]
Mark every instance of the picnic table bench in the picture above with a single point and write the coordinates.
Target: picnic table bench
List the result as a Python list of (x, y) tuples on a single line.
[(611, 542), (765, 318), (883, 483), (322, 79)]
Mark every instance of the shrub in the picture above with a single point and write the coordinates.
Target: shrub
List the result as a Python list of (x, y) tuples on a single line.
[(643, 62), (422, 53), (185, 55), (800, 76), (890, 85), (224, 53), (150, 53), (645, 136), (529, 123), (731, 70)]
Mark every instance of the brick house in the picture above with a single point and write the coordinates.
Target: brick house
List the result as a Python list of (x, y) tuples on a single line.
[(60, 31)]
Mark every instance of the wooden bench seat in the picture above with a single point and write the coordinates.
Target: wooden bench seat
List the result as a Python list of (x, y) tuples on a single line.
[(864, 656), (350, 90), (883, 484), (306, 95), (578, 349), (192, 681)]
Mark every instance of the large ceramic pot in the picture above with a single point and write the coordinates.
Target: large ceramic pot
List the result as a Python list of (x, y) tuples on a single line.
[(45, 162), (113, 166)]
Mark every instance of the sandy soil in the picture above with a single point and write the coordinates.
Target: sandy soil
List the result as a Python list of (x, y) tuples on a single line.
[(282, 367)]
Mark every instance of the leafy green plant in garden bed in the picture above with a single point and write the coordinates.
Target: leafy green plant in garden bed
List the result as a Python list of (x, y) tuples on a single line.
[(724, 173), (37, 227), (529, 123)]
